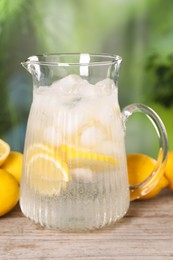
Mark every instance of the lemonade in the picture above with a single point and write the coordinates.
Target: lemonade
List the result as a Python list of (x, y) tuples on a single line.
[(74, 171)]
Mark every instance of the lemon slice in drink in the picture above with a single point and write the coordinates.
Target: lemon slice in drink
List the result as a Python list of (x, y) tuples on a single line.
[(82, 158), (37, 148), (4, 151), (47, 174)]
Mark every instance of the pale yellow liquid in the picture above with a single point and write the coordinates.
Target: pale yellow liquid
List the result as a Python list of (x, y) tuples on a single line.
[(94, 196)]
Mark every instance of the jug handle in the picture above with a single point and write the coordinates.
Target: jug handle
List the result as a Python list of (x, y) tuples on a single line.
[(143, 188)]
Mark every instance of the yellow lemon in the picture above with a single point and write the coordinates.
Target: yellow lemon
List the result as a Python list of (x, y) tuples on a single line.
[(169, 170), (13, 165), (9, 192), (140, 167), (47, 174), (4, 151), (83, 158)]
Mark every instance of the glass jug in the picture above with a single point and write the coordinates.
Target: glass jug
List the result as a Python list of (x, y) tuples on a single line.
[(74, 170)]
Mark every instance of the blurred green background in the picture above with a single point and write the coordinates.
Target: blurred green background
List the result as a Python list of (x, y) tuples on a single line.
[(141, 31)]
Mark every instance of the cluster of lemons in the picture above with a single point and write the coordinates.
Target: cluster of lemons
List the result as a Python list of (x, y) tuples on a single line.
[(10, 174), (139, 167)]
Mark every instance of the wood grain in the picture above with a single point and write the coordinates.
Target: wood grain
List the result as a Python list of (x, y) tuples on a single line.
[(145, 233)]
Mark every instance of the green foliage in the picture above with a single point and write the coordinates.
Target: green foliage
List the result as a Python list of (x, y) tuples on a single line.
[(133, 29), (13, 36), (9, 12), (166, 114), (81, 25), (162, 70)]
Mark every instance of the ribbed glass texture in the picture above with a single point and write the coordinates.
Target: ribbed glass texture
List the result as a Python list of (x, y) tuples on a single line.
[(74, 171)]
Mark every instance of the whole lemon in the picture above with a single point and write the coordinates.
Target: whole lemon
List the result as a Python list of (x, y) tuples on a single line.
[(9, 192), (140, 167), (169, 170), (13, 165)]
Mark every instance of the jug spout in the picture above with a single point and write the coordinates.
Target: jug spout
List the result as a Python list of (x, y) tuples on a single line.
[(30, 63)]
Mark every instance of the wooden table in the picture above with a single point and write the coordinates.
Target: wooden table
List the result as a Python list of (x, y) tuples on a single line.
[(145, 233)]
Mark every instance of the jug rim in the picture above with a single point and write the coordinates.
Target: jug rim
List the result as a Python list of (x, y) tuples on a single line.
[(84, 59)]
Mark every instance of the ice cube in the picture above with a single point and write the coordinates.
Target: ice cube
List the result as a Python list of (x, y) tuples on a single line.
[(66, 85), (108, 148), (82, 174), (76, 118), (51, 136), (67, 115), (106, 86), (103, 111), (86, 89), (92, 136)]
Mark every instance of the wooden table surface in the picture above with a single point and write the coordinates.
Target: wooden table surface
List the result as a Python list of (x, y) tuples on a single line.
[(145, 233)]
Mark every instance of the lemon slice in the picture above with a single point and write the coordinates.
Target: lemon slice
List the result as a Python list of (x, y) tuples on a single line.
[(82, 158), (37, 148), (47, 174), (4, 151)]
